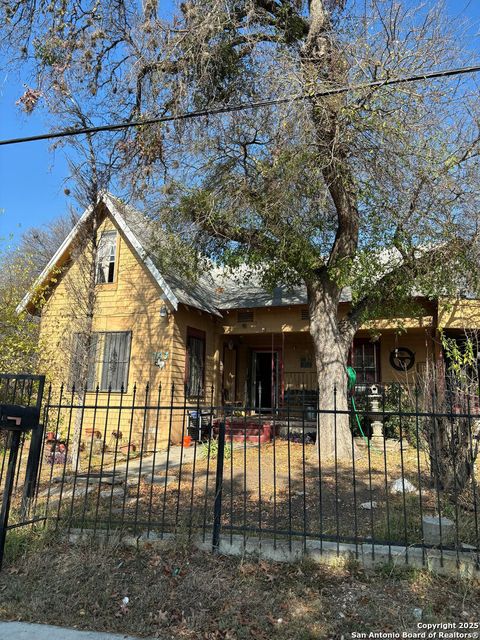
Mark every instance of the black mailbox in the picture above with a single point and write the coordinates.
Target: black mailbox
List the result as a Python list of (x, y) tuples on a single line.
[(15, 417)]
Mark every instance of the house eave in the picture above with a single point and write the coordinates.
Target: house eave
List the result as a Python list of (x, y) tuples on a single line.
[(52, 264), (168, 296)]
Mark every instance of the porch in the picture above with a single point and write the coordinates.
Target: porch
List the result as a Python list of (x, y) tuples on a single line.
[(275, 373)]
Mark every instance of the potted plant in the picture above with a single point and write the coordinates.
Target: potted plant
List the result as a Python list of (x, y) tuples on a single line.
[(116, 438), (128, 447)]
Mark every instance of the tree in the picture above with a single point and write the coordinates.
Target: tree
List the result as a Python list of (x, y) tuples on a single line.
[(452, 439), (19, 266), (371, 191), (18, 333), (41, 243)]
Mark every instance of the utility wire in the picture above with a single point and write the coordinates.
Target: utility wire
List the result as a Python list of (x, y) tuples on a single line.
[(243, 106)]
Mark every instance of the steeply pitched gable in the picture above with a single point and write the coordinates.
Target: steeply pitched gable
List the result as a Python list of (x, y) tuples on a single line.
[(135, 228)]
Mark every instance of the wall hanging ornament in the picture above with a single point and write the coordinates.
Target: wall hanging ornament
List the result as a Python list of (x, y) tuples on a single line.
[(160, 358), (402, 358)]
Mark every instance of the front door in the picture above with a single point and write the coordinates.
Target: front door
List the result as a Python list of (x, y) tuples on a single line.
[(265, 380)]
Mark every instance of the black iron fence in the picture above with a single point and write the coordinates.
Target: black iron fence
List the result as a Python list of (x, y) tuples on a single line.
[(20, 407), (388, 468)]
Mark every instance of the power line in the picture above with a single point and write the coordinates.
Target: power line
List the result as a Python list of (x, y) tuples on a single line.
[(243, 106)]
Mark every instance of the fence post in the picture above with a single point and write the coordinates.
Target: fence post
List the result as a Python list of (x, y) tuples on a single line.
[(14, 442), (217, 509), (32, 469)]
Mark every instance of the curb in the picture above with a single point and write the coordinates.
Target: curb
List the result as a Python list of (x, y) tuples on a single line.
[(447, 562)]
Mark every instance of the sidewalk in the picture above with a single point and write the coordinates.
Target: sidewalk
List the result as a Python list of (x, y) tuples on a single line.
[(27, 631)]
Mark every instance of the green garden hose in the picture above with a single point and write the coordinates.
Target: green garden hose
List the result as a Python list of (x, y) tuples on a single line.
[(352, 381)]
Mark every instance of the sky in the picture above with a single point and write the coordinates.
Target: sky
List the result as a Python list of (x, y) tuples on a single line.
[(32, 178)]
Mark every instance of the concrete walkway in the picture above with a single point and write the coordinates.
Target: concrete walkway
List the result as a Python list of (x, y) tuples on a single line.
[(28, 631), (177, 453)]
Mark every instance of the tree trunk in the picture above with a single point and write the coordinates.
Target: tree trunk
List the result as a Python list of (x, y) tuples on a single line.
[(332, 340), (322, 59), (83, 291), (453, 451)]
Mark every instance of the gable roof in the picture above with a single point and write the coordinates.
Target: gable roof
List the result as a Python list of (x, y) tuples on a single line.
[(212, 292), (199, 294), (134, 226)]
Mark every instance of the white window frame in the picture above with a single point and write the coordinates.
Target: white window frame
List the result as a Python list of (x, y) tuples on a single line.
[(106, 258)]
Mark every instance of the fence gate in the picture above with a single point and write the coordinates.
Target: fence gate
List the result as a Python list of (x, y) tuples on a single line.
[(21, 438)]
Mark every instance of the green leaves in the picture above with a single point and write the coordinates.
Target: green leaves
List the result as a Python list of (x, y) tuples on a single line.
[(459, 355), (18, 332)]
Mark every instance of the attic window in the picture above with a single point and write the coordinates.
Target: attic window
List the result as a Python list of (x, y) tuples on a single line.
[(304, 314), (245, 316), (107, 248)]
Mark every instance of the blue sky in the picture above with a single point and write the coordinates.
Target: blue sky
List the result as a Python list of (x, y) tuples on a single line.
[(32, 177)]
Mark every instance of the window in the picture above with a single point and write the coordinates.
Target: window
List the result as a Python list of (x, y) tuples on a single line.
[(106, 358), (306, 362), (245, 316), (365, 361), (195, 365), (107, 248)]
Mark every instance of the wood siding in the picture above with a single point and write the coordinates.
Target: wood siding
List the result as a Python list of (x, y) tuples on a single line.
[(133, 303)]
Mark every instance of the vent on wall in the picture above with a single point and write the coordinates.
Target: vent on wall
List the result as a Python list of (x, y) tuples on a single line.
[(304, 314), (245, 316)]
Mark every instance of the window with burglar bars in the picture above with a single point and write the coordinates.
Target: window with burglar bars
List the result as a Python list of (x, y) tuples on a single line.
[(195, 373), (106, 358), (365, 361), (107, 248)]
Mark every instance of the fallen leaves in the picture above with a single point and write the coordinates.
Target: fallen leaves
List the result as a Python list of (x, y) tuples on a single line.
[(190, 595)]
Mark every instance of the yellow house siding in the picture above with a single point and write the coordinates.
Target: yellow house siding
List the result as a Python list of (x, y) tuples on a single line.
[(418, 341), (459, 314), (131, 303), (184, 318), (266, 321), (291, 320)]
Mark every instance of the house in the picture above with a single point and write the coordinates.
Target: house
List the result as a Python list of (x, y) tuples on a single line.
[(224, 339)]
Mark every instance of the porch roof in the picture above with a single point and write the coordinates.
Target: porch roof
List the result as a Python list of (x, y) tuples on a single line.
[(243, 290)]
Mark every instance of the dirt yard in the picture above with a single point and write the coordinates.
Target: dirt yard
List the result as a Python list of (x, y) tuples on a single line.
[(300, 497), (276, 487)]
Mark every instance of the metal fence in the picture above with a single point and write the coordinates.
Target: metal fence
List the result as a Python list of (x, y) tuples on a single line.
[(20, 407), (153, 462)]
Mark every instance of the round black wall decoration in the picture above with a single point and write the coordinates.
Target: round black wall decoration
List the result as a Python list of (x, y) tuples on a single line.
[(402, 359)]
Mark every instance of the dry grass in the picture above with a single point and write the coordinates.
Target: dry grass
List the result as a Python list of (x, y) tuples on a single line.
[(182, 593)]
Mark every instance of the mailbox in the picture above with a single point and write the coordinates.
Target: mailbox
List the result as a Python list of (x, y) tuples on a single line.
[(15, 417)]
